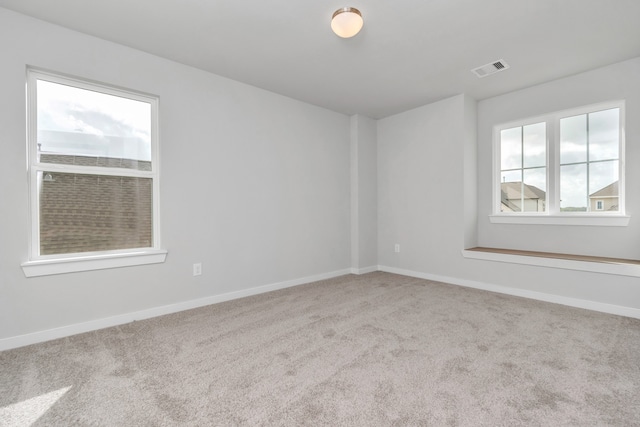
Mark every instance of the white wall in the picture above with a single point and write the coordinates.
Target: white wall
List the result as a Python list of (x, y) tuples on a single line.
[(253, 185), (259, 188), (615, 82), (421, 192), (422, 185)]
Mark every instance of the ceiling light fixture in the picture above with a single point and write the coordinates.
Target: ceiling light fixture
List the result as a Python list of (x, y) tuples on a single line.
[(346, 22)]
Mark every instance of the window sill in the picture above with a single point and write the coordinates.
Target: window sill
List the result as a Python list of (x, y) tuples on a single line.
[(92, 262), (620, 267), (591, 220)]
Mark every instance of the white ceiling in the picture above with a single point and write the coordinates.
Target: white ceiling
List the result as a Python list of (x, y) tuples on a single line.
[(409, 53)]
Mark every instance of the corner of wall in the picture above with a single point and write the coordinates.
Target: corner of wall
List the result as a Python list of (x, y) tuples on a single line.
[(364, 205), (470, 179)]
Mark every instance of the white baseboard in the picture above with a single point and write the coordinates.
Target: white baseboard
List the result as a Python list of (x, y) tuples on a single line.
[(364, 270), (540, 296), (65, 331)]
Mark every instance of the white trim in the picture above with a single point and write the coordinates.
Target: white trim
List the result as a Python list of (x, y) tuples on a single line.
[(632, 270), (78, 328), (93, 170), (602, 220), (47, 267), (364, 270), (540, 296), (552, 121)]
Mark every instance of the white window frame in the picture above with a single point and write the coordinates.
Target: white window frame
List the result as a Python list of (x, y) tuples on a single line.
[(39, 265), (599, 205), (553, 216)]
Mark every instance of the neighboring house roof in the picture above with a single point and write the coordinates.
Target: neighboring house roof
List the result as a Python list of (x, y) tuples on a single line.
[(610, 190), (514, 190)]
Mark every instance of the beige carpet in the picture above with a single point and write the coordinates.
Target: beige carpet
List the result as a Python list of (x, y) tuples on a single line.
[(372, 350)]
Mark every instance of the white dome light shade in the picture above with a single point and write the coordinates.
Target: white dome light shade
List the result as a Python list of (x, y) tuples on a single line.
[(347, 22)]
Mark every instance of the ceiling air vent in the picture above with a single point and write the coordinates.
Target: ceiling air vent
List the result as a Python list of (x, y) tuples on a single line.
[(490, 68)]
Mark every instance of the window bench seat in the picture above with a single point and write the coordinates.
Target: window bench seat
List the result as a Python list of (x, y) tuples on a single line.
[(594, 264)]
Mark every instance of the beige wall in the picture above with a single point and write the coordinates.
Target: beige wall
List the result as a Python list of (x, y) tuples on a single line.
[(608, 203)]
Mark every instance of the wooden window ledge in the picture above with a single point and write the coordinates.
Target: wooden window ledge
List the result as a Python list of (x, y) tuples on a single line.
[(594, 264)]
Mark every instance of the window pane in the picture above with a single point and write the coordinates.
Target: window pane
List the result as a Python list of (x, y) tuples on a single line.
[(534, 139), (511, 176), (85, 213), (573, 139), (573, 188), (604, 134), (84, 127), (534, 190), (511, 148), (511, 191), (603, 185)]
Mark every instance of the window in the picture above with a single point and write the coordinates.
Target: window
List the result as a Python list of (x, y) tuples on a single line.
[(93, 174), (568, 164), (523, 168)]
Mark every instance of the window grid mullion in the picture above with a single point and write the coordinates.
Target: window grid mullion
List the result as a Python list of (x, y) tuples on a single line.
[(91, 170), (521, 168), (588, 166), (592, 161), (552, 167)]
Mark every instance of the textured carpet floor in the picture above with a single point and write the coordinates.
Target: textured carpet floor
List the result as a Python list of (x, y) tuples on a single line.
[(377, 349)]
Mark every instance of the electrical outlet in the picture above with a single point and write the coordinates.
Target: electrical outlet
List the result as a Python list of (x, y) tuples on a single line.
[(197, 269), (397, 248)]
